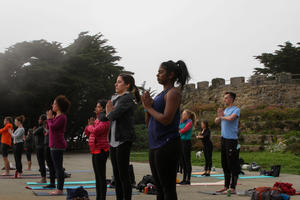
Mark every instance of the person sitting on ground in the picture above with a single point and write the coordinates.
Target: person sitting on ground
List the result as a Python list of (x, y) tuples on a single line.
[(204, 135), (6, 142)]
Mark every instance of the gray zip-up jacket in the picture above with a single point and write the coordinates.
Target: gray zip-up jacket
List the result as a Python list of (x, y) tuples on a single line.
[(18, 135)]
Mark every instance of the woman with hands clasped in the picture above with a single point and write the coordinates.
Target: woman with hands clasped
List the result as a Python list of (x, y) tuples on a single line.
[(18, 138), (97, 131), (120, 112), (204, 135), (163, 118), (57, 125)]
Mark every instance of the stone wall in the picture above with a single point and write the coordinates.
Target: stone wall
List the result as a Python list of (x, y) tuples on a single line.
[(259, 89)]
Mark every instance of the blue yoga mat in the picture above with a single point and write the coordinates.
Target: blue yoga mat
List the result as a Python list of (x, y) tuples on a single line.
[(248, 177), (65, 194), (66, 183), (212, 175), (65, 187)]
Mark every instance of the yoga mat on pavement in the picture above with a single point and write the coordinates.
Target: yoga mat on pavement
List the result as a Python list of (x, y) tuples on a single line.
[(206, 184), (65, 194), (200, 173), (212, 175), (65, 187), (220, 193), (248, 177), (66, 183), (23, 177)]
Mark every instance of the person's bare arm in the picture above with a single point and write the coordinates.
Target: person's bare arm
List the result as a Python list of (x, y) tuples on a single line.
[(172, 99), (229, 118)]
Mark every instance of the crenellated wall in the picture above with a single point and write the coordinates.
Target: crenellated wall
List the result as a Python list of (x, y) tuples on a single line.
[(259, 89)]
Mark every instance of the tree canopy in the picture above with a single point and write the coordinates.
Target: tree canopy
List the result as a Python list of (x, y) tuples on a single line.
[(286, 59), (33, 73)]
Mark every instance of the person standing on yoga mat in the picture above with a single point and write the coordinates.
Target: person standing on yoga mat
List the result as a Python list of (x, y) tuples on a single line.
[(229, 119), (28, 145), (47, 156), (120, 112), (163, 118), (188, 119), (204, 135), (18, 138), (97, 131), (39, 147), (6, 142), (57, 127)]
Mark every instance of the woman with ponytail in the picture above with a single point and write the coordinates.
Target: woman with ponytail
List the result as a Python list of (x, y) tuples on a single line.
[(18, 138), (120, 111), (163, 118), (188, 119)]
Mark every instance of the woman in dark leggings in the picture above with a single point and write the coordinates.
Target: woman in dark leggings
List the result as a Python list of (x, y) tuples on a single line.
[(163, 118), (39, 147), (204, 135), (57, 127), (28, 144), (18, 136), (188, 119), (120, 111), (97, 131)]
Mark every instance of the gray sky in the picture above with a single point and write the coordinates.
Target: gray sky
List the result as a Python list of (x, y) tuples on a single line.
[(216, 38)]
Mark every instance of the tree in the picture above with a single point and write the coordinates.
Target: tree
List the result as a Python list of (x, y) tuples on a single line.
[(33, 73), (286, 59)]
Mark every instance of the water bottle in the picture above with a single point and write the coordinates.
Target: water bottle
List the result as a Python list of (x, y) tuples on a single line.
[(214, 169), (229, 192)]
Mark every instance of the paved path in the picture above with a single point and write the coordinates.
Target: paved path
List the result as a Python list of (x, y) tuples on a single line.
[(12, 189)]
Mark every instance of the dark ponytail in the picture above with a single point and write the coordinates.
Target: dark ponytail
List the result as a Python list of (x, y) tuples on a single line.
[(128, 79), (181, 73)]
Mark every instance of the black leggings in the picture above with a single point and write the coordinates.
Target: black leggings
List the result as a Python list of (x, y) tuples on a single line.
[(186, 159), (120, 162), (41, 160), (18, 150), (163, 164), (99, 165), (207, 150), (48, 158), (28, 153), (230, 162), (57, 158)]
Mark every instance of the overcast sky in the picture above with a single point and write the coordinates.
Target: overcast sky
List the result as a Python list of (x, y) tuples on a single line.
[(216, 38)]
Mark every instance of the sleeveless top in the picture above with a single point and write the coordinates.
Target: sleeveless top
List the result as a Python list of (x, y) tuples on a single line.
[(159, 134)]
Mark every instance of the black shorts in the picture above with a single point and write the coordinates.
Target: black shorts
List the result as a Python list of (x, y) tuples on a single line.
[(4, 148)]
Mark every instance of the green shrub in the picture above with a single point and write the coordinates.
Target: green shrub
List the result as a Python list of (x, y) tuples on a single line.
[(141, 142)]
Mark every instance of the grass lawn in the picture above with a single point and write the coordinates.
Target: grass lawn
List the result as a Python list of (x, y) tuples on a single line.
[(289, 162)]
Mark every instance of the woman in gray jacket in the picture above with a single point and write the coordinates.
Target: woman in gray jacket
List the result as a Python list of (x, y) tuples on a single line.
[(18, 138)]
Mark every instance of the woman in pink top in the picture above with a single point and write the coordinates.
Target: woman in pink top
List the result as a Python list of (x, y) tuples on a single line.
[(57, 127), (97, 131)]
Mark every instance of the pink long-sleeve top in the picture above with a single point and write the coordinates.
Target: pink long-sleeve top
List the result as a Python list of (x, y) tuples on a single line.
[(57, 128), (97, 134)]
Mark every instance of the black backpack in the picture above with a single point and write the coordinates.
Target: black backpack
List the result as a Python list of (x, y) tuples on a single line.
[(143, 183)]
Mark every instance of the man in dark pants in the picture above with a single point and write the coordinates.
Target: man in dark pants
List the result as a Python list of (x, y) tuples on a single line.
[(229, 119)]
